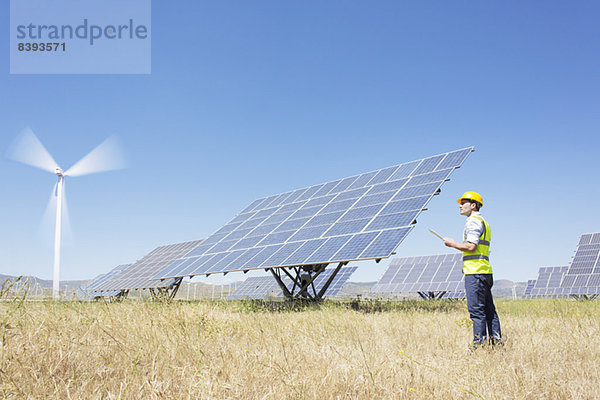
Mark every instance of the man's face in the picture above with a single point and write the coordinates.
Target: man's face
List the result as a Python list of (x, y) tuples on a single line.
[(466, 207)]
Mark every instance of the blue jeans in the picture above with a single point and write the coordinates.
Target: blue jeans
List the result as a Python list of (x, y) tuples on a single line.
[(481, 308)]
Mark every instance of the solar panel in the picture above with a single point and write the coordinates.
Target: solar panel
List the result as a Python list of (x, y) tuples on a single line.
[(357, 218), (530, 284), (425, 274), (103, 278), (140, 274), (583, 275), (259, 287), (548, 282)]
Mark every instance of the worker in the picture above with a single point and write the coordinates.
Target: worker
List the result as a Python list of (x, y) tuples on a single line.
[(478, 271)]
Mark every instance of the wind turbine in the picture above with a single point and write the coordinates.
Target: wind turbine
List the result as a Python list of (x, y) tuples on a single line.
[(28, 149)]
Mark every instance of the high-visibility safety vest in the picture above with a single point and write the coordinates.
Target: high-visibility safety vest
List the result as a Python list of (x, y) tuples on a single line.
[(478, 261)]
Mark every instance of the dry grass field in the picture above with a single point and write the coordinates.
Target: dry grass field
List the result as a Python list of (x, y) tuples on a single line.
[(246, 350)]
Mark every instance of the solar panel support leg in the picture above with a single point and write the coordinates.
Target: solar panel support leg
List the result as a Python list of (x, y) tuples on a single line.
[(277, 277), (326, 286)]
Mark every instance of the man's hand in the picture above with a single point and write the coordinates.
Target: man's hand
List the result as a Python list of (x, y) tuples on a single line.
[(450, 242)]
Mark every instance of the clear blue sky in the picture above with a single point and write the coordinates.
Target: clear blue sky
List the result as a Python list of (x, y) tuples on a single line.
[(248, 99)]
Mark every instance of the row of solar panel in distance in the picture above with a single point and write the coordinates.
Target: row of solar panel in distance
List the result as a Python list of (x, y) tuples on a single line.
[(139, 275), (325, 216), (437, 268), (418, 287), (563, 292)]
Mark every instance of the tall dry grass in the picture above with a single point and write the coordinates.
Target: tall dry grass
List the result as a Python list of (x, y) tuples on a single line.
[(417, 350)]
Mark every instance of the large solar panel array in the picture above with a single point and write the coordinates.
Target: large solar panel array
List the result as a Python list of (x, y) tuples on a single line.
[(583, 275), (548, 282), (437, 273), (357, 218), (140, 274), (264, 286)]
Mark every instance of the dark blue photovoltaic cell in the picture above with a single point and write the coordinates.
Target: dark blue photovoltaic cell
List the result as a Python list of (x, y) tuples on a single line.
[(224, 262), (295, 195), (263, 230), (428, 178), (309, 192), (244, 258), (376, 203), (263, 256), (306, 212), (221, 246), (385, 243), (328, 249), (274, 238), (309, 233), (415, 203), (293, 224), (253, 223), (199, 250), (304, 252), (361, 213), (351, 194), (343, 185), (200, 261), (237, 234), (428, 165), (417, 191), (386, 187), (319, 201), (325, 219), (277, 217), (246, 243), (291, 207), (404, 170), (344, 228), (282, 254), (326, 188), (383, 175), (454, 159), (391, 221), (374, 199), (338, 206), (229, 227)]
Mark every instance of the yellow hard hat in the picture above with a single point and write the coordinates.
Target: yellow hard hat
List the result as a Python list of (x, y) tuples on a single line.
[(471, 196)]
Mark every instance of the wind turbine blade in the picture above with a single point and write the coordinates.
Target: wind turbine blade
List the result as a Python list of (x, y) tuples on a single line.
[(106, 157), (28, 149)]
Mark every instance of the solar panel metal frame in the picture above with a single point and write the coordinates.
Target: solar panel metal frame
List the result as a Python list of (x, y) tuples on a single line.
[(433, 273), (530, 284), (583, 274), (140, 275), (287, 229)]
